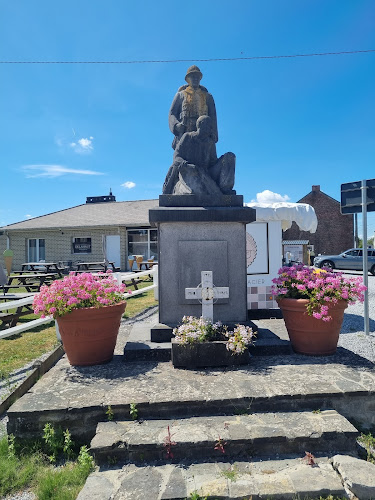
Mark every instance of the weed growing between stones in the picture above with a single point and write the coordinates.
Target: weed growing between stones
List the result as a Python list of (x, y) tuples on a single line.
[(168, 443), (68, 444), (242, 411), (111, 460), (331, 497), (219, 445), (368, 441), (109, 413), (231, 473), (133, 411), (309, 459), (196, 496), (57, 442)]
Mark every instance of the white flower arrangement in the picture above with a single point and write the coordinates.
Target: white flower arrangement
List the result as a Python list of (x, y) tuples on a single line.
[(195, 330)]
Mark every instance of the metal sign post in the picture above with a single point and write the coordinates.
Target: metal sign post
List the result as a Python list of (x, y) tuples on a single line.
[(357, 197), (365, 258)]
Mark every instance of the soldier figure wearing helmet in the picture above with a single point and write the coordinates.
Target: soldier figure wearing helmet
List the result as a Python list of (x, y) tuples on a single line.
[(191, 102), (196, 169)]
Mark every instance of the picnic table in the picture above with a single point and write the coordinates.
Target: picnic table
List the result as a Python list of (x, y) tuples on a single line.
[(147, 264), (22, 303), (95, 266), (43, 266), (32, 282)]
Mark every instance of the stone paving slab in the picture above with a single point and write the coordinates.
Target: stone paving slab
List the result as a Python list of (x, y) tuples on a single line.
[(195, 438), (79, 396), (281, 479), (357, 475)]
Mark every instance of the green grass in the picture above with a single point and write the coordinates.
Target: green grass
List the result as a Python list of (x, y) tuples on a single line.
[(17, 351), (25, 465), (368, 441), (139, 303)]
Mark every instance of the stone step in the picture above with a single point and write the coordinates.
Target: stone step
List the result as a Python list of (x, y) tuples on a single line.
[(78, 398), (139, 346), (195, 438), (287, 479)]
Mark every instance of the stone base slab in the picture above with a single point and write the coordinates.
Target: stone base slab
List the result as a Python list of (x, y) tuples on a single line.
[(161, 333), (271, 339), (202, 214), (195, 200)]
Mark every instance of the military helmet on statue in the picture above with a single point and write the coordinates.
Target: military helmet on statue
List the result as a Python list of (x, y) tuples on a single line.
[(193, 69)]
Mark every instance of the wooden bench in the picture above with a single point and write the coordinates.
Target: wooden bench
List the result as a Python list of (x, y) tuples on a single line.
[(31, 285), (12, 318)]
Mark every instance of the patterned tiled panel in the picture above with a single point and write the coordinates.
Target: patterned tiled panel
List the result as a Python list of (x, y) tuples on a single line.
[(260, 297)]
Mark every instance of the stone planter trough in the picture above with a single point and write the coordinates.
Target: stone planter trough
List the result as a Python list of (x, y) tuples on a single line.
[(206, 355)]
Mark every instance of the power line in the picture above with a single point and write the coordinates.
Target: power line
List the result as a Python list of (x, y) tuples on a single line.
[(196, 60)]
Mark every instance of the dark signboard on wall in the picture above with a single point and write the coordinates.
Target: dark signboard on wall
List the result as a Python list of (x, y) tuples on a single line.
[(82, 245)]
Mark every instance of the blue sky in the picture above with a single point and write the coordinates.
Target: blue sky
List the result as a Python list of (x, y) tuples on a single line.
[(71, 131)]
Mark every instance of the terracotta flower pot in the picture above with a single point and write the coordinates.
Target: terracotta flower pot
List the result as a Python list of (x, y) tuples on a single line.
[(309, 335), (89, 335)]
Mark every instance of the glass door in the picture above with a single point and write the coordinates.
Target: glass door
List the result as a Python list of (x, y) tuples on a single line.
[(36, 250)]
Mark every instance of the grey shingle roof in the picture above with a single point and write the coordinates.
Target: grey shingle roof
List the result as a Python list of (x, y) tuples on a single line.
[(120, 213)]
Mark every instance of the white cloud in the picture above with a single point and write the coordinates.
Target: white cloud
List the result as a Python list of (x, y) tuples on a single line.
[(52, 171), (83, 145), (268, 196), (28, 216), (128, 185)]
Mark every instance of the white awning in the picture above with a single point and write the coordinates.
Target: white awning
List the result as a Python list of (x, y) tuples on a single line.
[(301, 213), (295, 242)]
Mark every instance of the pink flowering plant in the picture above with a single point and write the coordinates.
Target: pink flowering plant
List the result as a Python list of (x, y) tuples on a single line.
[(78, 292), (194, 330), (320, 287)]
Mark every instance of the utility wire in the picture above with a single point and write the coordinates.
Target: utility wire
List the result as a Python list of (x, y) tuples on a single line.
[(194, 60)]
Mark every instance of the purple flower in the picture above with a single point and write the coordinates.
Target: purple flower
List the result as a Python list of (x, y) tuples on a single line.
[(320, 287)]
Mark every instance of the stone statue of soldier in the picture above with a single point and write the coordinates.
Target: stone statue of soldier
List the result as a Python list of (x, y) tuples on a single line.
[(196, 169), (191, 102)]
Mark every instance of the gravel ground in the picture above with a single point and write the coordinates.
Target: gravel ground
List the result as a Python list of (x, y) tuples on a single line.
[(352, 335)]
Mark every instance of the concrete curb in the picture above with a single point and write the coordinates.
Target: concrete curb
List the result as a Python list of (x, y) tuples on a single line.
[(41, 367)]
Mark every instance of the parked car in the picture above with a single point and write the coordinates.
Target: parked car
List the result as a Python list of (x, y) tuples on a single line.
[(350, 259)]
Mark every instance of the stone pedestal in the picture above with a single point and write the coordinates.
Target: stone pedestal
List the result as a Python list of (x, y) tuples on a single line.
[(195, 239)]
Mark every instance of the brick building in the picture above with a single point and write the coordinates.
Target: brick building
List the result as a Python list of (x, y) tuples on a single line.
[(80, 233), (335, 231)]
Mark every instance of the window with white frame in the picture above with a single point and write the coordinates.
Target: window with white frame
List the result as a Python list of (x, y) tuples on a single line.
[(143, 242)]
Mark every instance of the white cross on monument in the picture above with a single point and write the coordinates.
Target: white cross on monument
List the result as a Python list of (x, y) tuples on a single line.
[(207, 292)]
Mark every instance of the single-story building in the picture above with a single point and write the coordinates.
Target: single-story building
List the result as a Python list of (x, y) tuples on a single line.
[(81, 233)]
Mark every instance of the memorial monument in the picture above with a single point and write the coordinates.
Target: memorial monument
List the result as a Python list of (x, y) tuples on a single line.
[(200, 218)]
